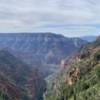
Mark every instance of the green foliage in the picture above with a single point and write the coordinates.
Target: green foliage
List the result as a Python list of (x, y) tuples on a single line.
[(87, 87), (97, 56), (84, 89), (3, 95), (97, 70), (96, 43)]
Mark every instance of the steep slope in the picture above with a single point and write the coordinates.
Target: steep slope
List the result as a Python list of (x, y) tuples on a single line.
[(80, 78), (43, 48), (8, 90), (15, 77)]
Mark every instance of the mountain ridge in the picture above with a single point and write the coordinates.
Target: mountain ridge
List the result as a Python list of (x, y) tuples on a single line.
[(40, 49), (90, 38), (34, 42)]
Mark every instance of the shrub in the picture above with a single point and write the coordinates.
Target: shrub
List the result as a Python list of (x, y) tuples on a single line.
[(97, 56), (98, 72)]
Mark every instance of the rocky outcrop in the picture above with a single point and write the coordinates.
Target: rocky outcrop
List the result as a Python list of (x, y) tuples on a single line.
[(73, 76)]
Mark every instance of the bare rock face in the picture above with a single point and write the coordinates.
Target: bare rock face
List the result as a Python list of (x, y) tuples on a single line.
[(16, 75), (33, 49), (40, 48), (8, 90), (73, 76)]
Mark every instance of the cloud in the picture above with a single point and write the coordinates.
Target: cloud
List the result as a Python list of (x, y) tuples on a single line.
[(63, 16)]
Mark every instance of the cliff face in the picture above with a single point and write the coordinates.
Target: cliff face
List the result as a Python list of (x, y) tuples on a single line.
[(17, 79), (16, 76), (83, 62), (8, 90), (43, 48)]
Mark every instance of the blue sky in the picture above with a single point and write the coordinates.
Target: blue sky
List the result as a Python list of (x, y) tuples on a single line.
[(67, 17)]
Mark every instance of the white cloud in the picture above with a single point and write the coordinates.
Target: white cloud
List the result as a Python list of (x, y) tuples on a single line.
[(36, 15)]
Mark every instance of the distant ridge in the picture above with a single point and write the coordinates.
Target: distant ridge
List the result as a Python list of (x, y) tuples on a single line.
[(49, 47), (89, 38), (40, 49)]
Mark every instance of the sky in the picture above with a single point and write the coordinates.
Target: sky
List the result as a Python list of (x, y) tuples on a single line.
[(67, 17)]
